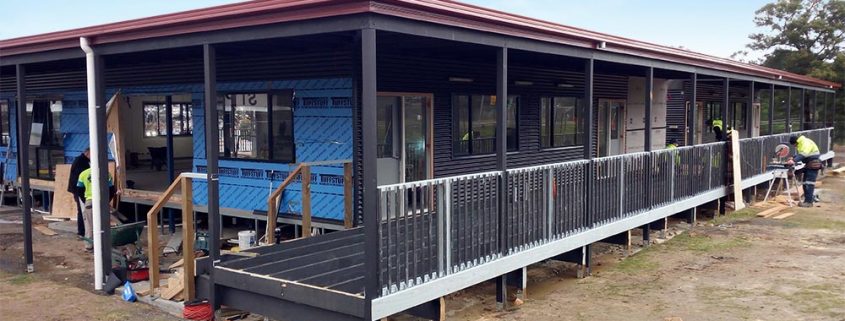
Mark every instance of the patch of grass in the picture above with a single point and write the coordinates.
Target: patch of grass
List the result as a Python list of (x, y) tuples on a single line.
[(705, 244), (21, 279), (815, 222), (818, 299), (639, 262), (741, 215)]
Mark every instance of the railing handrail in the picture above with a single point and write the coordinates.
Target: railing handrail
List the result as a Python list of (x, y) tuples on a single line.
[(435, 181), (273, 200), (184, 180)]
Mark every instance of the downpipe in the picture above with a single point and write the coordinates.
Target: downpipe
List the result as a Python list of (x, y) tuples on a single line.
[(91, 74)]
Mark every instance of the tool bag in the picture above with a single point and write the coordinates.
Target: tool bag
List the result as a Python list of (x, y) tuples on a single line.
[(815, 164)]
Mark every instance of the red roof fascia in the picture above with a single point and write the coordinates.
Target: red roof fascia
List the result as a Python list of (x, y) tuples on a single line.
[(229, 16), (478, 18), (445, 12)]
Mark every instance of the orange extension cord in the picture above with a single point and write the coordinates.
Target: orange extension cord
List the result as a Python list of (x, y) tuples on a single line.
[(199, 310)]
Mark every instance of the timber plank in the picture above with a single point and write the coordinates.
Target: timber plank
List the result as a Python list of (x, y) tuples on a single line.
[(772, 211)]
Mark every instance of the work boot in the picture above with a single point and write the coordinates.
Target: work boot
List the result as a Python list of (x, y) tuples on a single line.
[(805, 204)]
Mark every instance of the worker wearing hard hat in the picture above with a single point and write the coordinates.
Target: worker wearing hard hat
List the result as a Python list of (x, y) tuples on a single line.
[(807, 151)]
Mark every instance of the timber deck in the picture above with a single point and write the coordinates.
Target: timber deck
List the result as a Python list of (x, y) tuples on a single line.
[(323, 275)]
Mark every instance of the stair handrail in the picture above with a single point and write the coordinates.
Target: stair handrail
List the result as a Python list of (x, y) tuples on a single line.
[(184, 180), (304, 169)]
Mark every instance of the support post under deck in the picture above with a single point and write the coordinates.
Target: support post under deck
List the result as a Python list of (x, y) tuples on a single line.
[(23, 166), (369, 195), (502, 163), (211, 151)]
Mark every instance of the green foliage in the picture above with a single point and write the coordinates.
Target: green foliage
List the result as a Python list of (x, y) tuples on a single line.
[(805, 37)]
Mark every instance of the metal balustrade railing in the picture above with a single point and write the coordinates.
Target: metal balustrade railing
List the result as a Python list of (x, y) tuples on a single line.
[(433, 228), (436, 227), (757, 153)]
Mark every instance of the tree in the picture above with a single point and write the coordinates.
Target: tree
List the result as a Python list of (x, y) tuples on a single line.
[(805, 37)]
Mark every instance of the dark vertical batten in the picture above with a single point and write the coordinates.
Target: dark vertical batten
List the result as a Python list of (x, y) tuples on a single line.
[(802, 118), (788, 109), (23, 167), (212, 149), (692, 111), (772, 110), (649, 97), (749, 119), (370, 185)]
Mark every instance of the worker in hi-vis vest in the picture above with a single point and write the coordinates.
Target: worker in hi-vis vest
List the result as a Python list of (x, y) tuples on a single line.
[(85, 187), (718, 129), (807, 152)]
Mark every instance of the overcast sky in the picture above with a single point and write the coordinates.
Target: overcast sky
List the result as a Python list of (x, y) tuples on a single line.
[(716, 27)]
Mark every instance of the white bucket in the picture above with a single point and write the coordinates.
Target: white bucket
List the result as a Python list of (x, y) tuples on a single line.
[(246, 239)]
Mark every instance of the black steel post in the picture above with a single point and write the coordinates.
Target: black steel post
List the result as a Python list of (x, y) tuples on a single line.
[(726, 101), (692, 111), (749, 111), (589, 68), (772, 110), (824, 111), (102, 156), (23, 166), (502, 162), (802, 118), (814, 110), (212, 151), (726, 122), (168, 106), (649, 98), (369, 169), (788, 109)]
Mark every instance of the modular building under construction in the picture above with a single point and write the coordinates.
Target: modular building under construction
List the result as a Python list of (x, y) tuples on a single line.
[(436, 144)]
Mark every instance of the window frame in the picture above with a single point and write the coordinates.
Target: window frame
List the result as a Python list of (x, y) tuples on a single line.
[(270, 139), (6, 123), (579, 110), (456, 124), (163, 105)]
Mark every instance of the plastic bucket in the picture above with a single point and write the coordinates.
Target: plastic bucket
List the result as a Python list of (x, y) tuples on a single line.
[(246, 240)]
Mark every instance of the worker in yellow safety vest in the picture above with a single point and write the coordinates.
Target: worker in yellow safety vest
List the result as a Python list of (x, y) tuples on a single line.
[(673, 144), (718, 129), (807, 151)]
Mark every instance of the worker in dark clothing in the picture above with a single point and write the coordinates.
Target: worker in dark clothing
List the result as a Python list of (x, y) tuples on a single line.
[(81, 163), (716, 125), (807, 152)]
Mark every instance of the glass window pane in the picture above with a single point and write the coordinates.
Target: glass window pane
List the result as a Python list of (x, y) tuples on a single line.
[(545, 111), (386, 126), (565, 122), (4, 117), (462, 134), (283, 144), (483, 112), (513, 121), (150, 120)]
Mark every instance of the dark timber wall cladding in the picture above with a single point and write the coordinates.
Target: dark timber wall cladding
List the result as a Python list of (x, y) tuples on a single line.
[(404, 73), (676, 115)]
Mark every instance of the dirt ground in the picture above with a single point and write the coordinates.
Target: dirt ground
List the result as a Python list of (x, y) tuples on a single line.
[(61, 289), (738, 267)]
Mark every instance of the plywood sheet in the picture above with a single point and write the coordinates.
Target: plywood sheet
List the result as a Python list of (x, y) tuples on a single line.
[(63, 203), (737, 171)]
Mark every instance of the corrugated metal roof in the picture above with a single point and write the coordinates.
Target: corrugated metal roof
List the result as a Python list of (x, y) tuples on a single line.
[(452, 13)]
